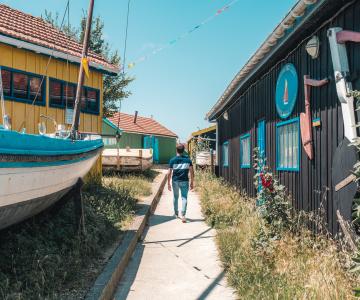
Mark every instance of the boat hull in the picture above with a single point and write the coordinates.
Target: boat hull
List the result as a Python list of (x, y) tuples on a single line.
[(26, 191)]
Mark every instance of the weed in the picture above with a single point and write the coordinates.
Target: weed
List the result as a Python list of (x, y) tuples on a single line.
[(43, 256), (259, 265)]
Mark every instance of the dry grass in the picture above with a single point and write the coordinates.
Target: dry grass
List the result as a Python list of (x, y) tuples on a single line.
[(298, 266), (46, 257)]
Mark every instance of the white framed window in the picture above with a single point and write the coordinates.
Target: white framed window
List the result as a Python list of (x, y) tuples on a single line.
[(225, 154), (245, 151), (288, 145)]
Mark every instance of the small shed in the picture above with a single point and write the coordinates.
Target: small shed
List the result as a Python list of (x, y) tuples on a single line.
[(139, 132), (207, 134)]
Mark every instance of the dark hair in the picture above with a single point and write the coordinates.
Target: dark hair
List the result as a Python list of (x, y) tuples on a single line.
[(180, 149)]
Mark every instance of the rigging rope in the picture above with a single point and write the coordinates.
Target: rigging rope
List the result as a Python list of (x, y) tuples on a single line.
[(124, 55), (51, 55)]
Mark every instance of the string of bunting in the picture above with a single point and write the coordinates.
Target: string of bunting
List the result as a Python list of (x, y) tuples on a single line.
[(182, 36)]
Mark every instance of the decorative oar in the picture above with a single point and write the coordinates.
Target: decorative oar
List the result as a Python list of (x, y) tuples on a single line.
[(305, 118)]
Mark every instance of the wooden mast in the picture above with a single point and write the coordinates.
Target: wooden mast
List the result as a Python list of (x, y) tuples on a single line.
[(76, 116)]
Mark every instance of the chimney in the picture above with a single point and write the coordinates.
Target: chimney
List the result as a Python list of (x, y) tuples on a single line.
[(135, 117)]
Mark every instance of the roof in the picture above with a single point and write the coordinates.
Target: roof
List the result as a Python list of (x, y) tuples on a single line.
[(33, 33), (112, 125), (143, 125), (297, 16), (205, 130)]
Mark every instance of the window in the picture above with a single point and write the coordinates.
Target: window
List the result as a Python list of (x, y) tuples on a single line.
[(245, 151), (225, 154), (287, 145), (55, 93), (109, 141), (63, 94), (23, 86), (92, 100), (69, 93)]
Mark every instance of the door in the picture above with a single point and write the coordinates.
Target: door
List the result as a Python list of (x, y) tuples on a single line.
[(156, 149), (147, 142), (261, 144), (152, 142)]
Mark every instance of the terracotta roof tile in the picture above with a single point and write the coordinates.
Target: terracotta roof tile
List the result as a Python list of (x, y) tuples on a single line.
[(25, 27), (143, 125)]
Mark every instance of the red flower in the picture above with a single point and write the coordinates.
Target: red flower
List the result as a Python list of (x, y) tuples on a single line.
[(267, 182)]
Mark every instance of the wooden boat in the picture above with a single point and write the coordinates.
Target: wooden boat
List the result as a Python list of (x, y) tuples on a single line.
[(127, 159), (203, 158), (36, 171)]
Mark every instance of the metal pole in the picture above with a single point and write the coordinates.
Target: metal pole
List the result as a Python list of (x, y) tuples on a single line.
[(2, 99), (76, 117)]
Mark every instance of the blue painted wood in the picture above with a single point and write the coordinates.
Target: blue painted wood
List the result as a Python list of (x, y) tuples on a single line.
[(12, 142), (261, 144), (153, 143), (286, 90), (156, 150), (242, 164), (297, 168)]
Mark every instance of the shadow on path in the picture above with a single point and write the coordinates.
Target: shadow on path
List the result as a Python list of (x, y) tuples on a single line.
[(132, 269), (194, 237), (208, 290)]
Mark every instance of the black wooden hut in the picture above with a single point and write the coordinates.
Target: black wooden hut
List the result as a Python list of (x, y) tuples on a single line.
[(262, 107)]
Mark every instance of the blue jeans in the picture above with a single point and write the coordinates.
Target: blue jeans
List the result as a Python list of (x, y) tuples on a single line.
[(183, 186)]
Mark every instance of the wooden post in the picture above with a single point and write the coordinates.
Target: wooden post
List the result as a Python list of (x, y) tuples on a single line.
[(79, 207), (141, 156), (212, 161), (76, 117)]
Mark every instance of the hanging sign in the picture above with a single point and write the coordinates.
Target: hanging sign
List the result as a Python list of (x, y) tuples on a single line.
[(286, 91)]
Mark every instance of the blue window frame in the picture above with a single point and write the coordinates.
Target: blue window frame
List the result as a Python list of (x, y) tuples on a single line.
[(245, 151), (225, 154), (62, 94), (21, 86), (288, 145)]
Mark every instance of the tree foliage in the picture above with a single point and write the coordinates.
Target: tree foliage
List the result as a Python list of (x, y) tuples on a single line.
[(115, 87)]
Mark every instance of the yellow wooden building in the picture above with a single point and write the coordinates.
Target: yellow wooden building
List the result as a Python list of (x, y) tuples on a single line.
[(39, 68)]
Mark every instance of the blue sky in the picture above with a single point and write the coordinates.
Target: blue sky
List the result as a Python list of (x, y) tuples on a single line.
[(179, 85)]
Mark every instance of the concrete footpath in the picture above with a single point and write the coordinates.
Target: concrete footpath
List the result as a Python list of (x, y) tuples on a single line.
[(175, 260)]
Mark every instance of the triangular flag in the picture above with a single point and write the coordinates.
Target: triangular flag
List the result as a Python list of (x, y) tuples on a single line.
[(85, 65)]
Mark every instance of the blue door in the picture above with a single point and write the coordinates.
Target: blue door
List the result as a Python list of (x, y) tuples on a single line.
[(147, 142), (261, 144), (156, 149), (152, 142)]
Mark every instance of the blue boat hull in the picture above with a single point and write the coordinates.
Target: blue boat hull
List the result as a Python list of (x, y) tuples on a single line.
[(36, 171)]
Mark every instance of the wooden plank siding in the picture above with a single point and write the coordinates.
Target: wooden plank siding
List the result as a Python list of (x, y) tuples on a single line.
[(28, 61), (256, 101), (19, 112)]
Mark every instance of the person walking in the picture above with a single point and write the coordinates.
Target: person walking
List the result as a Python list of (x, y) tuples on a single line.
[(178, 179)]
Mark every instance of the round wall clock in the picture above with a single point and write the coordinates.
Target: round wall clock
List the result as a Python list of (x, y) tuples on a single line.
[(286, 91)]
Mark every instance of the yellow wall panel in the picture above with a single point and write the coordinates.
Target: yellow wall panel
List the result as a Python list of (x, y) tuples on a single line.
[(30, 62), (19, 59), (6, 56)]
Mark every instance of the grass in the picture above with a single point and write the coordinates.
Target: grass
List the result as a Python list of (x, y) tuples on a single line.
[(45, 256), (296, 266)]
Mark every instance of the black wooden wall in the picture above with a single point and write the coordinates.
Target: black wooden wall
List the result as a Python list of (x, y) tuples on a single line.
[(313, 181)]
